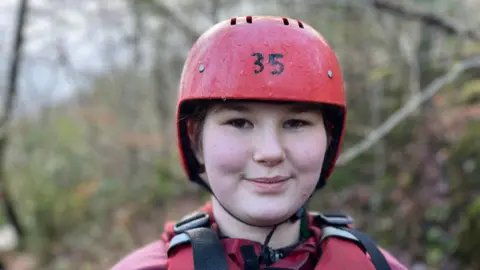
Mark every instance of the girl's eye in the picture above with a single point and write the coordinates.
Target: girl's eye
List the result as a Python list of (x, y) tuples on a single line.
[(296, 123), (239, 123)]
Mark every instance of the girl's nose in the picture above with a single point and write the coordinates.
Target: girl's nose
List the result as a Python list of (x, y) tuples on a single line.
[(268, 149)]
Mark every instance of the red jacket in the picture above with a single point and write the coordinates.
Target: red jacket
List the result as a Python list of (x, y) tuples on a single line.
[(336, 254)]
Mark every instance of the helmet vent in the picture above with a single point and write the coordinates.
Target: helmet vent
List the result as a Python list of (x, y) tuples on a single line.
[(233, 21), (285, 21), (300, 24), (249, 19)]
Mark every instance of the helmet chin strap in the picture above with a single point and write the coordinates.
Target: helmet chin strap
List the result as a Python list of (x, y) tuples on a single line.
[(265, 251)]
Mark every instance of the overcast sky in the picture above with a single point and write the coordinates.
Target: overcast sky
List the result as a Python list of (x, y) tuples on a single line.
[(81, 33)]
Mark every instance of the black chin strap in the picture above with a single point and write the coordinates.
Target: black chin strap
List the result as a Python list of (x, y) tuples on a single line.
[(265, 252)]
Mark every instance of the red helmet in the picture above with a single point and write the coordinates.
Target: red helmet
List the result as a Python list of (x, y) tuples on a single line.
[(266, 59)]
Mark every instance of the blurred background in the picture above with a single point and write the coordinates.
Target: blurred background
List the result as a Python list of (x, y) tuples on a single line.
[(89, 168)]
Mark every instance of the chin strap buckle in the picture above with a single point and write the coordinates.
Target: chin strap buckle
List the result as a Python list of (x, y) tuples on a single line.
[(192, 221), (334, 220)]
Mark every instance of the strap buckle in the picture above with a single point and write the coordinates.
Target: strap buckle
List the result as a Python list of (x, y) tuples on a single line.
[(332, 219), (195, 220)]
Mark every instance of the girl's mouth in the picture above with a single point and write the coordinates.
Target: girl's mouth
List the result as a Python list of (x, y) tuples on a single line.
[(269, 184)]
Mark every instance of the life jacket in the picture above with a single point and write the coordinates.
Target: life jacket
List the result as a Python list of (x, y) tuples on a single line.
[(194, 243)]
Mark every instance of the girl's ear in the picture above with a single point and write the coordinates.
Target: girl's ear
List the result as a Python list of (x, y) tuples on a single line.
[(194, 138)]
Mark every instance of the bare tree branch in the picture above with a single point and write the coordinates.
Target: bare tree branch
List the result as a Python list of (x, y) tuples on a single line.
[(427, 17), (175, 18), (214, 9), (413, 103), (12, 90), (407, 12)]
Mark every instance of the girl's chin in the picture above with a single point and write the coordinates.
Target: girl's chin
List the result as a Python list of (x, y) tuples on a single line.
[(266, 216)]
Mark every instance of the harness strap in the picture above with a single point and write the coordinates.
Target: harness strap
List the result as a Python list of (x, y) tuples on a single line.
[(330, 231), (371, 247), (250, 258), (337, 225), (208, 252), (332, 219)]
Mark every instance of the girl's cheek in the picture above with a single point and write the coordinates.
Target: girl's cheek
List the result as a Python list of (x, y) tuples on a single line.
[(225, 153), (307, 152)]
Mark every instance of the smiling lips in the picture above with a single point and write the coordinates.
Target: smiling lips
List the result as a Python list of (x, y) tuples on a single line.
[(269, 180), (269, 185)]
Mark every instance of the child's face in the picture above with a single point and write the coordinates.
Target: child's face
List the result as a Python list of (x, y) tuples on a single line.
[(245, 146)]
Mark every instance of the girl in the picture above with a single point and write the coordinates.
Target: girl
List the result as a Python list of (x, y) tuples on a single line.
[(260, 122)]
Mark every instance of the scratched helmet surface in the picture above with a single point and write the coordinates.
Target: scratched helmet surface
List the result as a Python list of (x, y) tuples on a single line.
[(262, 58)]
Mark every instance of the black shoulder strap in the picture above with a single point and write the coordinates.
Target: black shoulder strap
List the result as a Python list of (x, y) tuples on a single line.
[(208, 252), (336, 225), (371, 247)]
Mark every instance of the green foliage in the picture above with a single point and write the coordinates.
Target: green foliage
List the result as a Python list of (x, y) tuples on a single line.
[(471, 92), (468, 237), (465, 157), (380, 73), (48, 177), (67, 182)]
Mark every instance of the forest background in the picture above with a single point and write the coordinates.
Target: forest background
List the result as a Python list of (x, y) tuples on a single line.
[(89, 170)]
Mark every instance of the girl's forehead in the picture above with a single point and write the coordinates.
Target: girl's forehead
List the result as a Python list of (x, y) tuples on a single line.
[(251, 106)]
